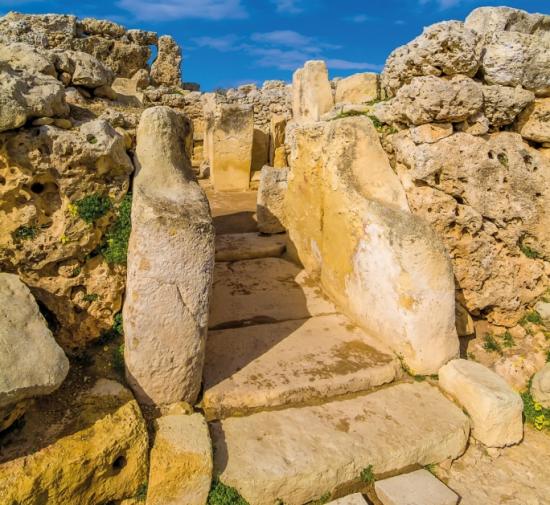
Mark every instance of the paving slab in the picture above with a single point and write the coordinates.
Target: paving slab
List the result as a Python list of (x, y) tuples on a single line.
[(292, 362), (298, 455), (245, 246), (265, 290), (414, 488), (518, 475), (352, 499)]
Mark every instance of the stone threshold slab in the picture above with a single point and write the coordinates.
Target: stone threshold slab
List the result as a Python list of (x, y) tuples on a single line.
[(298, 455), (292, 362), (265, 290), (245, 246)]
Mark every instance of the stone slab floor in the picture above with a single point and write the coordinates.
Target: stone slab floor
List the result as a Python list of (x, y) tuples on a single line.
[(299, 399)]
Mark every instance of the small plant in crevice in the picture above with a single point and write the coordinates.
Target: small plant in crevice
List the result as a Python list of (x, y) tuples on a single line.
[(115, 331), (321, 501), (490, 344), (118, 359), (115, 246), (25, 233), (535, 414), (431, 468), (141, 494), (502, 159), (532, 317), (90, 297), (508, 339), (367, 475), (529, 252), (92, 207), (220, 494)]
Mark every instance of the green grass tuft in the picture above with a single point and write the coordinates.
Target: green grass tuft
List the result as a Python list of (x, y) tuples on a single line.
[(92, 207), (367, 475), (118, 359), (531, 317), (115, 247), (490, 344), (91, 297), (142, 492), (220, 494), (508, 340)]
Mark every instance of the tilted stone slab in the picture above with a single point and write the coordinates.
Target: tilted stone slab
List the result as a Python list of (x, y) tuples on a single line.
[(244, 246), (415, 488), (291, 362), (264, 290), (298, 455)]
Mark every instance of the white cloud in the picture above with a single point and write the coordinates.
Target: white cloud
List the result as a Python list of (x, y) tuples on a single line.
[(351, 65), (443, 4), (162, 10), (288, 6), (359, 18), (283, 38), (282, 49), (223, 44)]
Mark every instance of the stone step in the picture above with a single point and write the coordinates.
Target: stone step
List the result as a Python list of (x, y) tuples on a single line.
[(298, 455), (292, 362), (245, 246), (265, 290)]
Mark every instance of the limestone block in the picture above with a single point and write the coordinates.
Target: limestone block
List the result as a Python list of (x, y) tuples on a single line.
[(433, 99), (485, 20), (31, 362), (311, 92), (458, 184), (351, 226), (501, 104), (277, 140), (299, 455), (230, 141), (260, 150), (166, 68), (84, 69), (543, 308), (540, 386), (271, 195), (446, 48), (24, 95), (512, 58), (357, 88), (494, 408), (415, 488), (94, 450), (430, 132), (352, 499), (170, 266), (534, 122), (180, 462)]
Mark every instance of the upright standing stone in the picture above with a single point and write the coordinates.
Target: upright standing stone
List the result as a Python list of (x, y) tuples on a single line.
[(170, 265), (271, 196), (495, 409), (311, 92), (230, 146), (166, 68)]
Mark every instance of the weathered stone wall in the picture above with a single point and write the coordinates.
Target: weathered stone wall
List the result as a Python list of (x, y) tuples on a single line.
[(460, 93)]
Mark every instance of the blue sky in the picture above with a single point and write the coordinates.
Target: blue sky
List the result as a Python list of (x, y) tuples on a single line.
[(231, 42)]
